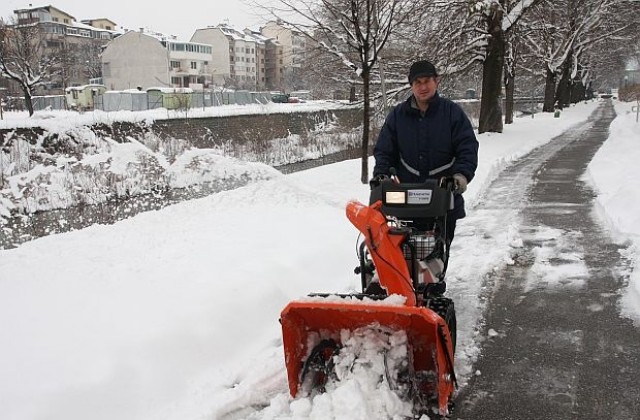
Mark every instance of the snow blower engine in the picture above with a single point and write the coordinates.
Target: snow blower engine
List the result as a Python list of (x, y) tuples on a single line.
[(402, 262)]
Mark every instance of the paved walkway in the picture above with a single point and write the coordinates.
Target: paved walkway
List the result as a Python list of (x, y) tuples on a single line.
[(557, 347)]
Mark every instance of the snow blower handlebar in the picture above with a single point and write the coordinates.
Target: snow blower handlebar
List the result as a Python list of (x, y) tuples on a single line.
[(430, 199)]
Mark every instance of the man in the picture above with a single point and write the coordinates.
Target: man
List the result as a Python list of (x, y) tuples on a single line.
[(428, 137)]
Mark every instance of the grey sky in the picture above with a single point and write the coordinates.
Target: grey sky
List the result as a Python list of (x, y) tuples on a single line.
[(180, 18)]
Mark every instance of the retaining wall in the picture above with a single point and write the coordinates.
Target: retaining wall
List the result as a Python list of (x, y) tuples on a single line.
[(205, 132)]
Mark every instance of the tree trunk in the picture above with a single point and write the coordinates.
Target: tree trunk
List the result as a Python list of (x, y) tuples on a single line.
[(364, 173), (490, 107), (27, 100), (577, 92), (549, 91), (510, 88), (563, 95)]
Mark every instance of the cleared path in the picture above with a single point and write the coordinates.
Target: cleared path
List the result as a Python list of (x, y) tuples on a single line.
[(556, 347)]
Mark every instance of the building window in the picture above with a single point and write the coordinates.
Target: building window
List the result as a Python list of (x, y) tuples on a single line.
[(194, 65), (175, 64)]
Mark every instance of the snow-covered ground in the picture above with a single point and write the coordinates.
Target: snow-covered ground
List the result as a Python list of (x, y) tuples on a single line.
[(174, 314)]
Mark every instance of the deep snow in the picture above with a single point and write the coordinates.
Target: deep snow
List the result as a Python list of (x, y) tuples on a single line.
[(173, 314)]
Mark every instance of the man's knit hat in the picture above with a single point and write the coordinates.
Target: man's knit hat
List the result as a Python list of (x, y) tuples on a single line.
[(421, 68)]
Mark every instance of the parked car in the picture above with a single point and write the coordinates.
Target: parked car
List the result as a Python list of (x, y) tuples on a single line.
[(280, 98)]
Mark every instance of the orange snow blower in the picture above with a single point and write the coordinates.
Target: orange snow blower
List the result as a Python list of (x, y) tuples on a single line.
[(404, 231)]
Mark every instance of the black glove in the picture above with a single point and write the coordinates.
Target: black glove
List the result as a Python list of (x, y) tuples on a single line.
[(376, 180)]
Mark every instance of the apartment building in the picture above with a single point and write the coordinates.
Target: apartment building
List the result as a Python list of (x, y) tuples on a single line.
[(268, 61), (219, 55), (100, 23), (293, 42), (189, 64), (238, 57), (78, 43), (140, 59), (292, 55)]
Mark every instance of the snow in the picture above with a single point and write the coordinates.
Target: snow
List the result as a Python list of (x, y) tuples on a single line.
[(60, 121), (173, 314)]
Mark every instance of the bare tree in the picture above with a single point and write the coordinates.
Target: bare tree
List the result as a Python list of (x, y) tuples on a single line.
[(66, 60), (353, 31), (498, 18), (569, 32), (462, 33), (23, 58), (88, 56)]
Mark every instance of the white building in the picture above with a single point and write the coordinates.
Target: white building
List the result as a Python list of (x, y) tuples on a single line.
[(293, 42), (143, 60), (236, 56), (190, 64), (78, 44)]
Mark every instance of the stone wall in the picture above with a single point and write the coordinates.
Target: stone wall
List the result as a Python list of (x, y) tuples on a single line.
[(205, 132)]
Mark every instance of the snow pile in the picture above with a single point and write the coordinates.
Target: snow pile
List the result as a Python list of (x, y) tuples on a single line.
[(121, 170), (366, 384), (617, 202), (393, 300)]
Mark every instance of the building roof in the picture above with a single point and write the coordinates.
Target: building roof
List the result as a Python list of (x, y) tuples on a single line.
[(100, 18), (74, 23), (47, 8)]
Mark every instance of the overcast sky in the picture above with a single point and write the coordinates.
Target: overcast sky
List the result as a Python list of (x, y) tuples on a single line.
[(179, 18)]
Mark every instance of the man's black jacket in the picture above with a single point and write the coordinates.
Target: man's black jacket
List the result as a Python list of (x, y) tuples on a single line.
[(440, 143)]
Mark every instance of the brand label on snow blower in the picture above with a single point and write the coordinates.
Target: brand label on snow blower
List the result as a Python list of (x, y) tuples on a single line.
[(419, 196)]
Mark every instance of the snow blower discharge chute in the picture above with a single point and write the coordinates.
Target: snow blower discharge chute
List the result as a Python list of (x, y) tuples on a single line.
[(404, 231)]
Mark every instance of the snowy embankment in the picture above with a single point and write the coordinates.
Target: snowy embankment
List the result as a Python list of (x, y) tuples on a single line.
[(91, 169), (612, 173)]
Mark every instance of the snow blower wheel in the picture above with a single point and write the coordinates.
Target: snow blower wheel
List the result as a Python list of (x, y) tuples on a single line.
[(444, 307), (318, 367)]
